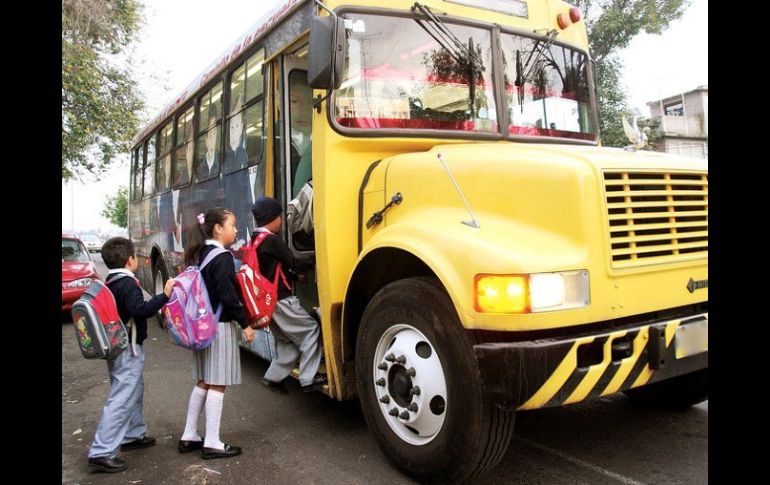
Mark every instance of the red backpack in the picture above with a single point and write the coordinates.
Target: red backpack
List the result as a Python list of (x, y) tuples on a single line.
[(98, 328), (258, 294)]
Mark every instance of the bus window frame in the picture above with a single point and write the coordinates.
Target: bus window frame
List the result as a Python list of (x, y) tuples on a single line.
[(133, 173), (228, 75), (160, 155), (220, 122), (145, 145), (496, 31), (180, 112)]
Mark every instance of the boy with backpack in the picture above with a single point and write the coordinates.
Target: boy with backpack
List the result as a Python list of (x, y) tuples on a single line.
[(296, 332), (122, 423)]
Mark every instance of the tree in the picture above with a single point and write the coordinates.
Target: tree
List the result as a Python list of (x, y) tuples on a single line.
[(116, 207), (612, 24), (99, 97)]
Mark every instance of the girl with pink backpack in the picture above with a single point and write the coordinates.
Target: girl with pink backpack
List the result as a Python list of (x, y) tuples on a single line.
[(219, 364)]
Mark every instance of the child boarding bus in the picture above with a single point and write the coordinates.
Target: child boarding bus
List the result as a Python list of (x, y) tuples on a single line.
[(477, 252)]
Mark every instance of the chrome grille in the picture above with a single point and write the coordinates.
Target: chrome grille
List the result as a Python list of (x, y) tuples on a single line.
[(656, 218)]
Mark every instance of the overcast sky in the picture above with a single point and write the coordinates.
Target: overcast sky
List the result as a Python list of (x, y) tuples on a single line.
[(182, 37)]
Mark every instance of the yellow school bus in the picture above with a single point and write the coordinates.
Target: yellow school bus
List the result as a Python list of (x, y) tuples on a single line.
[(477, 251)]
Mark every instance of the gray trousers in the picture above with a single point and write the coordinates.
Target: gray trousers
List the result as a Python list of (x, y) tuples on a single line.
[(296, 339), (122, 418)]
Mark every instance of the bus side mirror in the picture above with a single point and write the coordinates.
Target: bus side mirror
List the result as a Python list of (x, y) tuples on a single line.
[(327, 52)]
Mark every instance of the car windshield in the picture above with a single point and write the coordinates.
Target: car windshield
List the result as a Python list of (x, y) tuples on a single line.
[(72, 250)]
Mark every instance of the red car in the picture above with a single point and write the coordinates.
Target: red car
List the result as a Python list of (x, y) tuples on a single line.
[(77, 270)]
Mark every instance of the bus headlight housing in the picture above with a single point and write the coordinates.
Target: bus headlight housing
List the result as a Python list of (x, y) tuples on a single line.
[(531, 293)]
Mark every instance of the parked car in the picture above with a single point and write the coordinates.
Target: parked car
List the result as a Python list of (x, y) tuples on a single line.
[(92, 242), (77, 270)]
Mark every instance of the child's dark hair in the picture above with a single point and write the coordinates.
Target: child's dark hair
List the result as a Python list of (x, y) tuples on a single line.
[(197, 236), (116, 251)]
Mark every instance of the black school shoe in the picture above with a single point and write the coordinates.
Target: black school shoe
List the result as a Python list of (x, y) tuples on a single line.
[(107, 464), (143, 442), (318, 382), (230, 450), (185, 446)]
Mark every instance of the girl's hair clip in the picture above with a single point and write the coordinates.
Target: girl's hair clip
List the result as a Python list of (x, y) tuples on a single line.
[(201, 218)]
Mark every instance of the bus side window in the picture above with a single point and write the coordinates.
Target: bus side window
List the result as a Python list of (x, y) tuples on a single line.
[(300, 115), (301, 99)]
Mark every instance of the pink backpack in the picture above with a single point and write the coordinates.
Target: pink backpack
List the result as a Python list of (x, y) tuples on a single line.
[(188, 315)]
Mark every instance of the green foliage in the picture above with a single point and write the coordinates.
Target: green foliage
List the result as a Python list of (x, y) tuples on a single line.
[(612, 102), (116, 207), (99, 97), (612, 24)]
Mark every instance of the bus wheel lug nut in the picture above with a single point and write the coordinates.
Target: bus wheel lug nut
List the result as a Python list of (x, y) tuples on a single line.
[(381, 381), (401, 359), (412, 407), (383, 366), (404, 415), (385, 399), (390, 357), (415, 391), (393, 412), (411, 372)]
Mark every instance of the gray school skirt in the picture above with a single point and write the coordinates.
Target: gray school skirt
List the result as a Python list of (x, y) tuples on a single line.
[(219, 364)]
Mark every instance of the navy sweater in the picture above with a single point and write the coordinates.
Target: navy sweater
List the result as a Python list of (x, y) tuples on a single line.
[(131, 304), (219, 276)]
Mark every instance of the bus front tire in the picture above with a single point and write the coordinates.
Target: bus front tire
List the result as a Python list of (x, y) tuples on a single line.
[(411, 327), (678, 393)]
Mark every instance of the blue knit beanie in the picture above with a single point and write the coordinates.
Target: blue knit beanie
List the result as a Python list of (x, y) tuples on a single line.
[(265, 209)]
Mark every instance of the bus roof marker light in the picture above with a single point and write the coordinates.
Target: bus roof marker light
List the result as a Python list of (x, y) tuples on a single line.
[(563, 20), (575, 15)]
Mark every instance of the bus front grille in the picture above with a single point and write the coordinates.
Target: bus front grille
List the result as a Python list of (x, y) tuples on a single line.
[(656, 218)]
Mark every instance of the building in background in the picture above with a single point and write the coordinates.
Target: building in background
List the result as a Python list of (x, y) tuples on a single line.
[(684, 122)]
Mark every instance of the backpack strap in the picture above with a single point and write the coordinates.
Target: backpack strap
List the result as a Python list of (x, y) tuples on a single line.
[(210, 256), (258, 239)]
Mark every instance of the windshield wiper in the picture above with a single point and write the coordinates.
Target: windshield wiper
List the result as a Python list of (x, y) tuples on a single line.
[(524, 73), (463, 55)]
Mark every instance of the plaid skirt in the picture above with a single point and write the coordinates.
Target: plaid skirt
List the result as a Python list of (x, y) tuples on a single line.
[(219, 364)]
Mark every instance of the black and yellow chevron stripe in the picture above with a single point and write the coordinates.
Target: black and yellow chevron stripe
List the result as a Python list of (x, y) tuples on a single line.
[(542, 374)]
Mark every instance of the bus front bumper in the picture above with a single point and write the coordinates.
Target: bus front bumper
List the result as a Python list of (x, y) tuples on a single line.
[(553, 372)]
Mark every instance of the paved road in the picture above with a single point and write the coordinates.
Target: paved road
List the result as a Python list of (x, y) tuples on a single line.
[(311, 439)]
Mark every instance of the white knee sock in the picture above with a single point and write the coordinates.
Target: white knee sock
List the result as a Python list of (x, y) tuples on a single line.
[(213, 414), (197, 398)]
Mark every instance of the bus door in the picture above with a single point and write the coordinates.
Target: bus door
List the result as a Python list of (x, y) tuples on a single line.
[(297, 104)]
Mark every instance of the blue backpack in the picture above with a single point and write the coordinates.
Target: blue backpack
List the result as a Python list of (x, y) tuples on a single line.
[(188, 315)]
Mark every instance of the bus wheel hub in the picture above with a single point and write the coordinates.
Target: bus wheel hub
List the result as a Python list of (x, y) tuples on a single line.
[(410, 382)]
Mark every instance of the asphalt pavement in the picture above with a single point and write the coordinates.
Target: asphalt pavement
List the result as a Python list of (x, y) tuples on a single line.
[(303, 438)]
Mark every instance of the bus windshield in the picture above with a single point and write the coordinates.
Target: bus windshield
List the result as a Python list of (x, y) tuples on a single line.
[(415, 73), (399, 74), (546, 89)]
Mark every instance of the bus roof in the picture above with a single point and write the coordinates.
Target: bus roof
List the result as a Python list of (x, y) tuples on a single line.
[(250, 37)]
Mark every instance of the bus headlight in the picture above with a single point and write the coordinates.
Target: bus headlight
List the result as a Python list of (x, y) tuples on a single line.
[(531, 293)]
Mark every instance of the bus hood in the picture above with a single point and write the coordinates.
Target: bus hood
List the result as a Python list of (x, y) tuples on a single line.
[(538, 205)]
